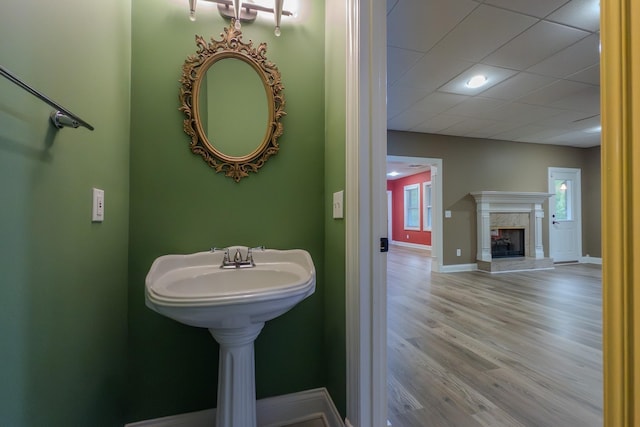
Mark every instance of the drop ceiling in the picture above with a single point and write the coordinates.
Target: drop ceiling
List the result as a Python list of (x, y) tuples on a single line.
[(541, 58)]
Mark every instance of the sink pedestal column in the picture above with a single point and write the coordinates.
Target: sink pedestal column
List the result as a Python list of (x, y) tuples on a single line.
[(236, 376)]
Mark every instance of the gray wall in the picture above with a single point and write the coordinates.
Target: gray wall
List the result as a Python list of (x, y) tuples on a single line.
[(471, 164)]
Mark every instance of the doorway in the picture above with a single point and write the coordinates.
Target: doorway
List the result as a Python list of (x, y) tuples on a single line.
[(431, 221), (565, 214)]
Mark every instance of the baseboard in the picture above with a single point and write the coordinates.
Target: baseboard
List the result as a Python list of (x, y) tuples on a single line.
[(591, 260), (271, 412), (411, 245), (457, 268)]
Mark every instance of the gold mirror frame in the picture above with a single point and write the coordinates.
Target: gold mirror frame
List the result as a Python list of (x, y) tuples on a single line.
[(194, 70)]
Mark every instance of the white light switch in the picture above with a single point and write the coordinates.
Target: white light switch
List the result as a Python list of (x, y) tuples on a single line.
[(97, 212), (447, 214), (338, 201)]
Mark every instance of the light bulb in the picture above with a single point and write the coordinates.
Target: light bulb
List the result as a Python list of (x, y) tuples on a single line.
[(476, 81), (192, 10), (237, 5), (277, 13)]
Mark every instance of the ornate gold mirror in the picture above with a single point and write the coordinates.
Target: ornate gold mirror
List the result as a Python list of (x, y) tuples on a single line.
[(233, 100)]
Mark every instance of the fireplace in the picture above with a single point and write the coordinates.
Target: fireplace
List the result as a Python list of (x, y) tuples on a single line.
[(509, 226), (507, 242)]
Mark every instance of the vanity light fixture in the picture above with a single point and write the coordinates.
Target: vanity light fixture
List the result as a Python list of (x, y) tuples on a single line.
[(244, 11), (477, 81)]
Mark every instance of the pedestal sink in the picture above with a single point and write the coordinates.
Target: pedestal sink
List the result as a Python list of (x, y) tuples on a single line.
[(234, 304)]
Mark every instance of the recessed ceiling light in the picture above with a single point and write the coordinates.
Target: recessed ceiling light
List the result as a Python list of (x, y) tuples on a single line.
[(595, 129), (394, 173), (477, 81)]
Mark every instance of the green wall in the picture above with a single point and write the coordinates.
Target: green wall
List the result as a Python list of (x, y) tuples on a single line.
[(63, 279), (180, 205), (478, 165), (335, 163)]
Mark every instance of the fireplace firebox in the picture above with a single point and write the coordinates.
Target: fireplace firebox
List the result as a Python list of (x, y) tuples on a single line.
[(507, 242)]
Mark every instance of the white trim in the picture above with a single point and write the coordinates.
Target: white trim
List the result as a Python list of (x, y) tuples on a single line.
[(411, 245), (427, 208), (590, 260), (366, 222), (457, 268), (517, 271), (271, 412)]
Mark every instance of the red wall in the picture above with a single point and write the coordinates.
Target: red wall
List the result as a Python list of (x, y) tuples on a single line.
[(398, 233)]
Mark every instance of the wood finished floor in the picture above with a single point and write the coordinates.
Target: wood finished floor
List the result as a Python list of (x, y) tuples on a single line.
[(474, 349)]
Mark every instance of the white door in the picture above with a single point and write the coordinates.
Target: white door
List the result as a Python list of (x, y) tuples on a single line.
[(565, 215)]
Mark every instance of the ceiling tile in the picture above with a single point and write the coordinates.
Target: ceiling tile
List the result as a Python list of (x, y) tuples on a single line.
[(468, 127), (418, 24), (475, 107), (438, 102), (406, 120), (538, 8), (399, 61), (516, 112), (586, 99), (583, 14), (403, 97), (535, 44), (391, 4), (576, 57), (483, 31), (496, 128), (589, 75), (517, 86), (437, 124), (575, 139), (553, 93), (432, 71), (568, 119)]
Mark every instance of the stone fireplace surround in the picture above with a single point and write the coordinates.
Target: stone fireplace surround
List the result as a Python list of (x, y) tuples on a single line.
[(511, 209)]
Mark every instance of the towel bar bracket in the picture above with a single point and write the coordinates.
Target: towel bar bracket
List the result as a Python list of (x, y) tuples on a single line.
[(61, 120)]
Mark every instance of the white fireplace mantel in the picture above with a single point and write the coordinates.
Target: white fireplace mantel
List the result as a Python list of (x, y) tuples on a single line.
[(488, 202)]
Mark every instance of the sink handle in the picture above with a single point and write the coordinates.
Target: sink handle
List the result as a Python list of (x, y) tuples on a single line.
[(250, 252), (226, 252)]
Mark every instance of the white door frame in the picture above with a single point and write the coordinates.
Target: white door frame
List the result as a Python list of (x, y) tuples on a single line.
[(366, 266), (390, 215), (577, 208)]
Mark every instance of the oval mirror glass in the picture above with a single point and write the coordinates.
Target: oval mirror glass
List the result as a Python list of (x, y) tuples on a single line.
[(233, 107)]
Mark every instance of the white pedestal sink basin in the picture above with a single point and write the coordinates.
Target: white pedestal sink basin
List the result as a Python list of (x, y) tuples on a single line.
[(234, 304)]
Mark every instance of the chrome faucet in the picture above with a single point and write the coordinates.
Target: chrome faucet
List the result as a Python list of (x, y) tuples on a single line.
[(238, 261)]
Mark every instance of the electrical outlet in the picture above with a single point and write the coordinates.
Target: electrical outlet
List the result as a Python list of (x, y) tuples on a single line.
[(458, 252)]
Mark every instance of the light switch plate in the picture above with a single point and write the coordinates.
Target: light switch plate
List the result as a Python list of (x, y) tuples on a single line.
[(97, 211), (447, 214), (338, 202)]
